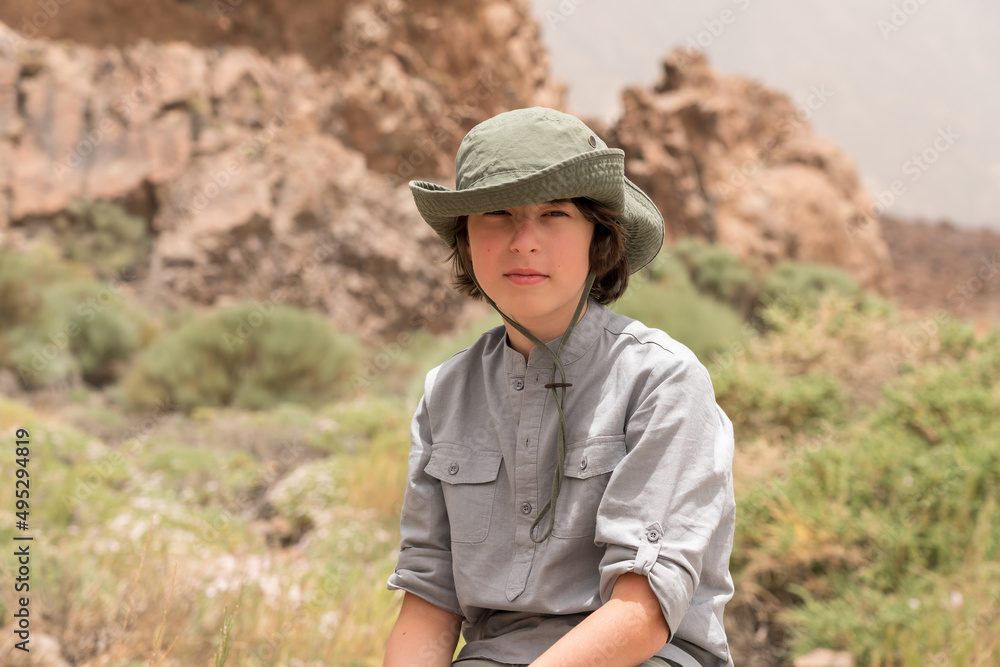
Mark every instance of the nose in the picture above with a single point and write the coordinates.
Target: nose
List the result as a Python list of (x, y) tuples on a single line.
[(525, 236)]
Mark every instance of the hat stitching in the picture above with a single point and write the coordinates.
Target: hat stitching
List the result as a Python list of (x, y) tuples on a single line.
[(497, 173), (576, 161)]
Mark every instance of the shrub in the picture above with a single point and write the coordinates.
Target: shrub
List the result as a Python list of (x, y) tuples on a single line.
[(798, 287), (246, 356), (763, 402), (104, 235), (62, 324), (665, 299), (885, 534), (717, 272), (948, 403)]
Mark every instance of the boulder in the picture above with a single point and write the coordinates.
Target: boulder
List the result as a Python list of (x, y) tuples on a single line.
[(730, 160)]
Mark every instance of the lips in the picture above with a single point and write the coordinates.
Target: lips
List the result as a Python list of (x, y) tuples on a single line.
[(525, 276)]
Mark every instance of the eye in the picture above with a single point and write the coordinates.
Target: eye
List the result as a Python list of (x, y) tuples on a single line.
[(496, 213)]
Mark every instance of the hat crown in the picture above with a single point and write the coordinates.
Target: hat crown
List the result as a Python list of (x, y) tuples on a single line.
[(520, 142)]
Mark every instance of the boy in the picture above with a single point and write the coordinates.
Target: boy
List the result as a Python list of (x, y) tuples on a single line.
[(569, 499)]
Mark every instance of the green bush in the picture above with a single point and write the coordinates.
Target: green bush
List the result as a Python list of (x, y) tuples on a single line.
[(947, 404), (885, 534), (716, 271), (763, 402), (104, 235), (798, 287), (247, 356), (664, 298), (60, 323)]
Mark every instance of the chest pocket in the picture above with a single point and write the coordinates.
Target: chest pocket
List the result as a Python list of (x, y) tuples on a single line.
[(588, 468), (469, 484)]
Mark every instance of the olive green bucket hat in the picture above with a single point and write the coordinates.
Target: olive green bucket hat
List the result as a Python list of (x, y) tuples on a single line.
[(528, 156)]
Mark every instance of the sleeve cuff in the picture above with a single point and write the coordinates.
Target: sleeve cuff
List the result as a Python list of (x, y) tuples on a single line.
[(427, 573), (671, 583)]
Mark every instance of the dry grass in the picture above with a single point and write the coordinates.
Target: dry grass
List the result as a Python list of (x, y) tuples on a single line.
[(291, 516), (142, 567)]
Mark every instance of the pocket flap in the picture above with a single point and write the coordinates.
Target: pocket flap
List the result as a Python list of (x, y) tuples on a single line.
[(456, 464), (594, 456)]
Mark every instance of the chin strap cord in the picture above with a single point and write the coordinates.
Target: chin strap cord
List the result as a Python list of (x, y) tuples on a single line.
[(558, 393)]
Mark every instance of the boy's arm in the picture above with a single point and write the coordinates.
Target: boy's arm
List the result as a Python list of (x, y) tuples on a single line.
[(424, 635), (668, 512), (626, 631), (426, 631)]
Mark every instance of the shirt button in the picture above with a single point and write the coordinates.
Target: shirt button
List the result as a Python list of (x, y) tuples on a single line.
[(519, 384), (525, 508), (583, 463), (453, 468), (652, 536)]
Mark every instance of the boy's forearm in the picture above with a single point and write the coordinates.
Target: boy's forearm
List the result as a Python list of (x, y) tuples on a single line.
[(627, 630), (424, 635)]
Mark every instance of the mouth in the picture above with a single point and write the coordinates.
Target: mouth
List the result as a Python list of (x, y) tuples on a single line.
[(525, 276)]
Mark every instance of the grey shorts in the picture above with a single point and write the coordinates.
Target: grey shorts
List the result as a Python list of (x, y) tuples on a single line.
[(480, 662)]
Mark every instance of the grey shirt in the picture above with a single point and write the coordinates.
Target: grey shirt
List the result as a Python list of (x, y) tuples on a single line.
[(647, 489)]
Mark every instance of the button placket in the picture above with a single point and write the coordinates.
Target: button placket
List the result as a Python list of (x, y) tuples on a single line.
[(529, 422)]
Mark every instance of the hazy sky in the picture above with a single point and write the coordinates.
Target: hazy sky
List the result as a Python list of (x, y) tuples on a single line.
[(901, 72)]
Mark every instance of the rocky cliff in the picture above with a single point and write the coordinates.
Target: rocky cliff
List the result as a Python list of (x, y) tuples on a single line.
[(737, 163), (264, 176), (268, 151)]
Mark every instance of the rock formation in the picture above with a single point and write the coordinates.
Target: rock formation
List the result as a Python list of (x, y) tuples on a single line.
[(276, 169), (268, 177), (405, 75), (732, 161)]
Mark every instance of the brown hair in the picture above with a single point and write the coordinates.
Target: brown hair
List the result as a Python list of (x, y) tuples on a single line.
[(607, 253)]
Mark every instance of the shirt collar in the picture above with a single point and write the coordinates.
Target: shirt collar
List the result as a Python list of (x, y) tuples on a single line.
[(584, 336)]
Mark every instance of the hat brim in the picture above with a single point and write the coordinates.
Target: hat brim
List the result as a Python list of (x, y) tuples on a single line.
[(597, 175)]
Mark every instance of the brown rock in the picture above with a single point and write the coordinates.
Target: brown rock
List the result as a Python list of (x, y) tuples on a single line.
[(734, 162), (432, 70), (10, 120), (55, 140), (257, 172)]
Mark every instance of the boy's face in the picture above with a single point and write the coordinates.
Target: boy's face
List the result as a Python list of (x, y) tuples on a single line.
[(533, 261)]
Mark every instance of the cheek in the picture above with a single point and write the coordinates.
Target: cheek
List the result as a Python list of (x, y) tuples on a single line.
[(478, 242), (581, 249), (482, 256)]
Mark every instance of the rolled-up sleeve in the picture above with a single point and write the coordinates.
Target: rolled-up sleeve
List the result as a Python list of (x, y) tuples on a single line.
[(424, 566), (665, 502)]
